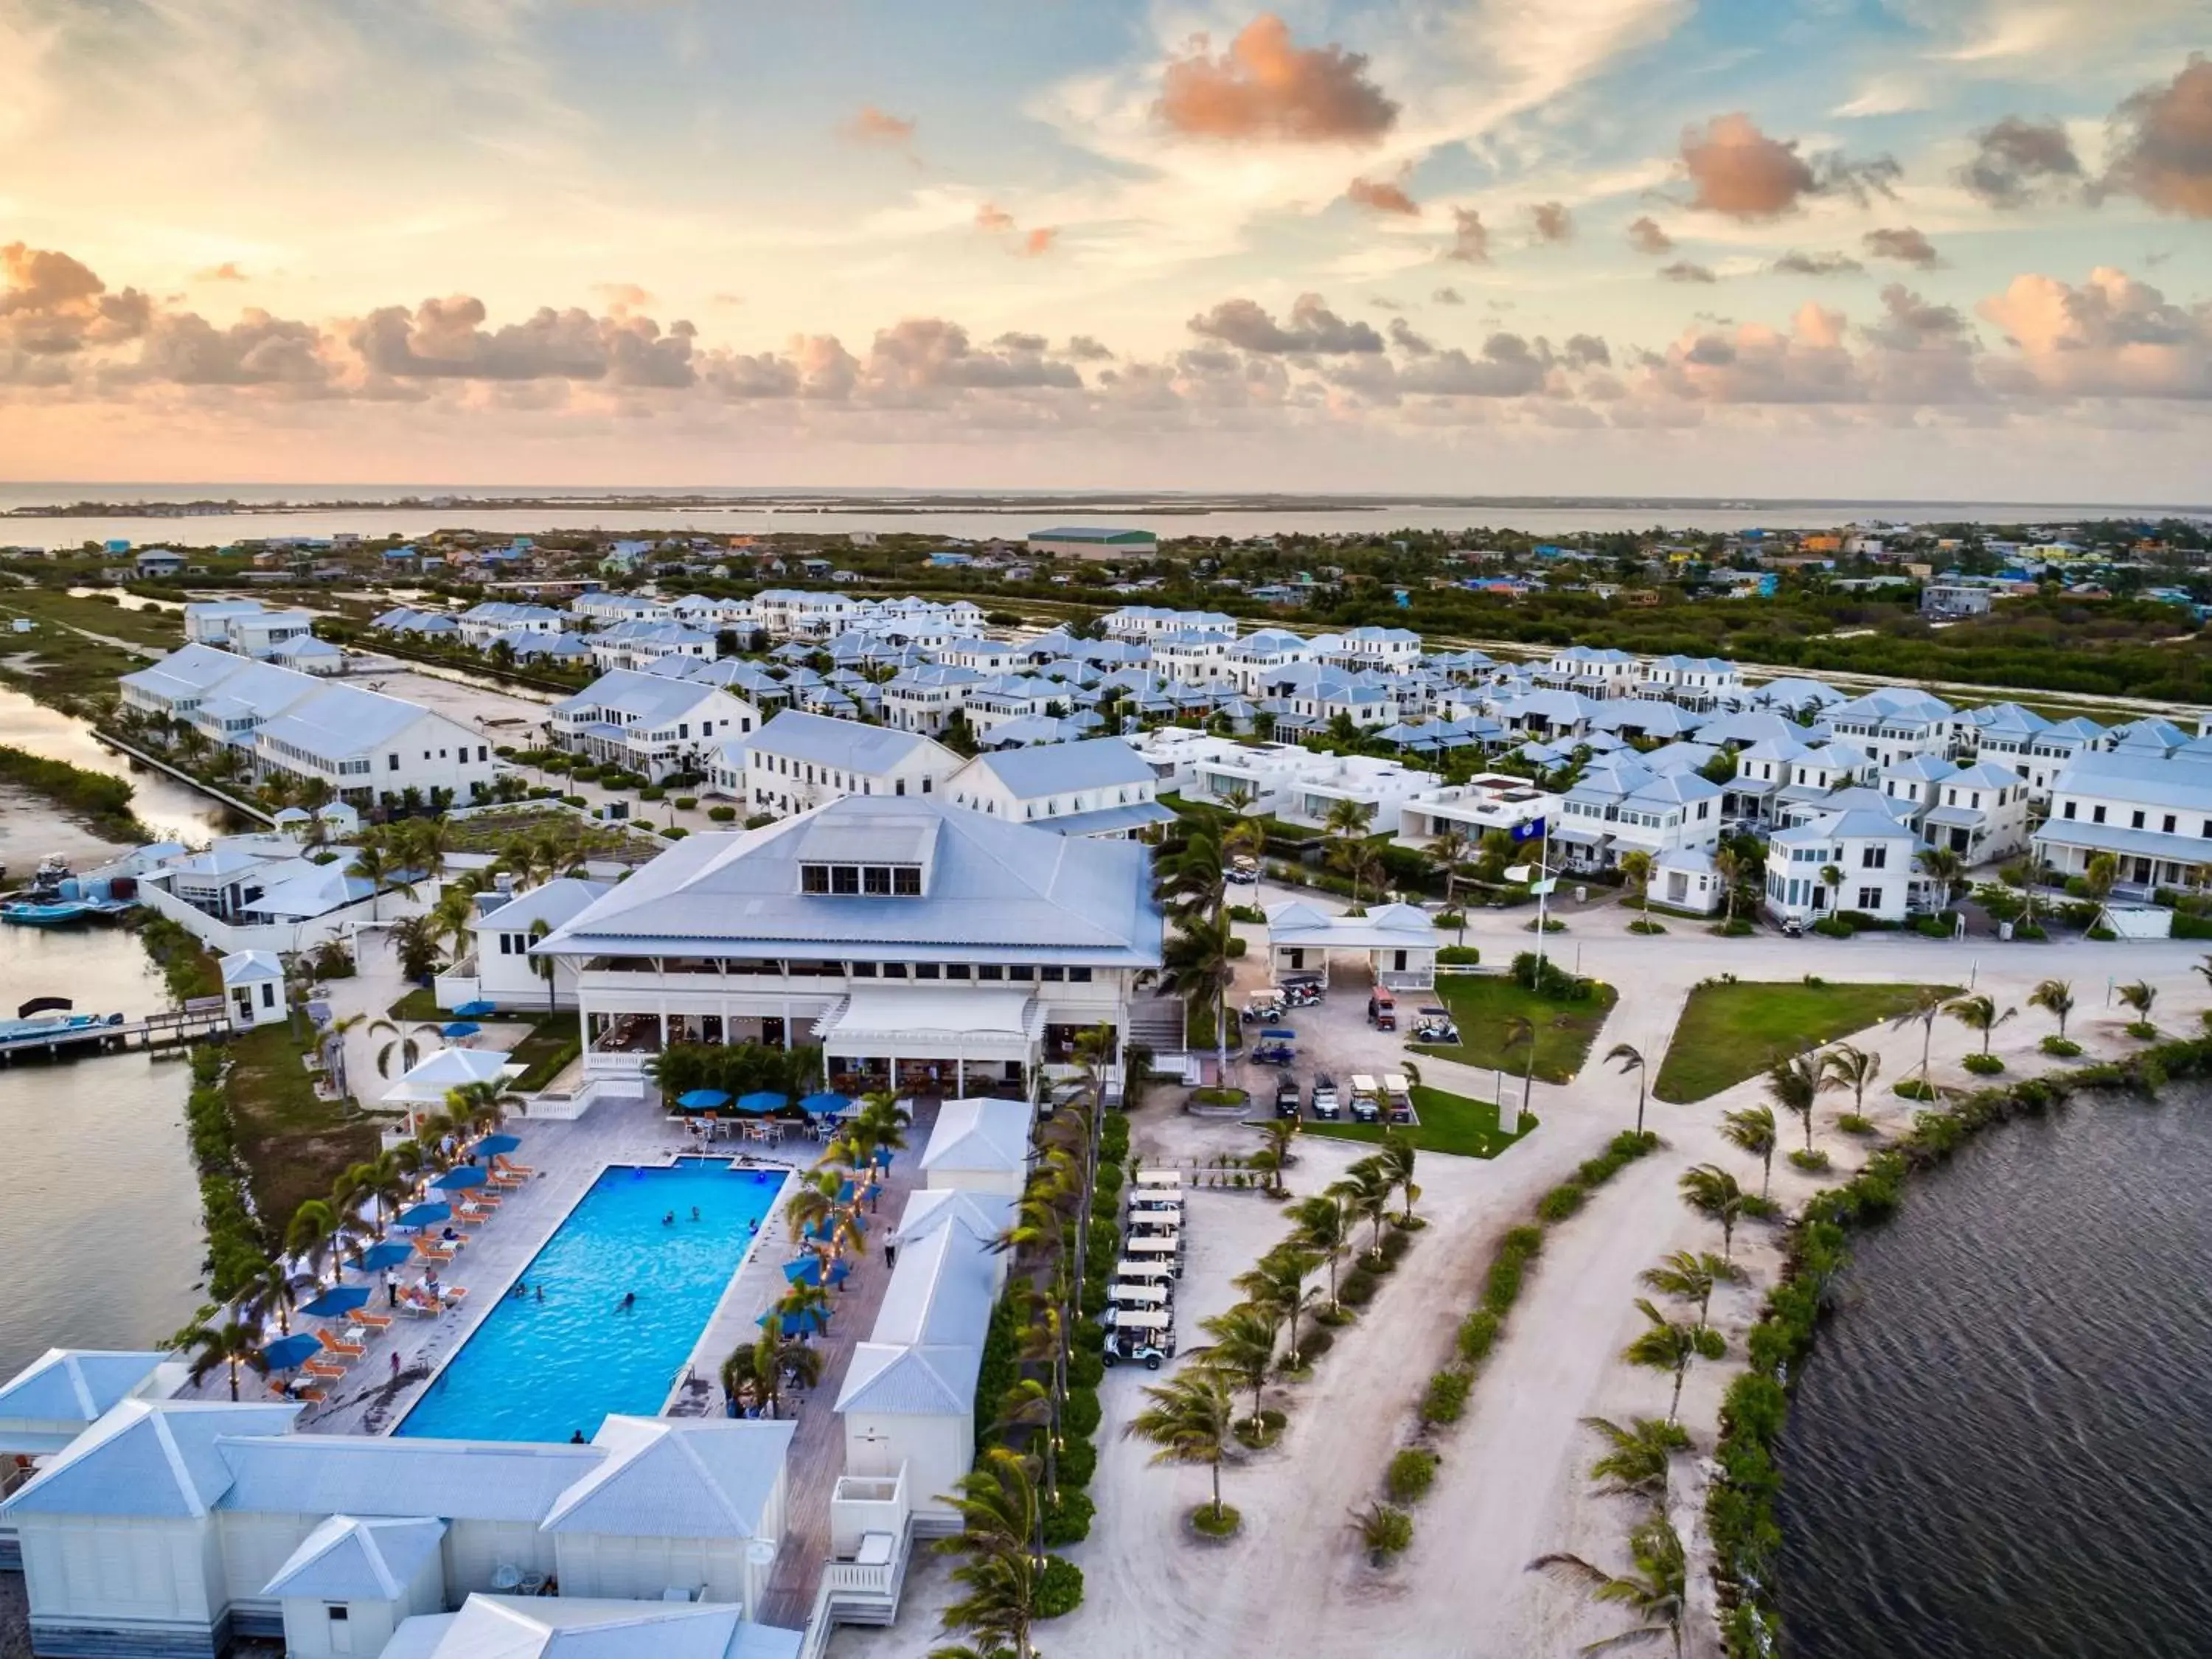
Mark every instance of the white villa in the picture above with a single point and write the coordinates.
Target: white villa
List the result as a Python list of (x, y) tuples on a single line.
[(917, 942), (1400, 942), (2153, 815), (651, 724), (1096, 786), (798, 761), (1870, 852), (1493, 801), (498, 966)]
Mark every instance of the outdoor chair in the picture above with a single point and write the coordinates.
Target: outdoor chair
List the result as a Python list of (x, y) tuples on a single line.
[(333, 1345)]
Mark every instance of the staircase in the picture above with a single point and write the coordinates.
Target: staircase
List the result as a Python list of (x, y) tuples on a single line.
[(1158, 1023)]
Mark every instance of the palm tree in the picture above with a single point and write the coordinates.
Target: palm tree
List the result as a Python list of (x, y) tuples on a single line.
[(317, 1233), (1197, 966), (2055, 998), (2139, 996), (2204, 969), (1689, 1276), (757, 1370), (1189, 1421), (1637, 1457), (1926, 1003), (812, 1205), (1795, 1083), (1730, 869), (1847, 1066), (1832, 877), (1279, 1133), (1277, 1288), (1942, 865), (999, 1513), (1191, 883), (376, 866), (1347, 820), (2101, 875), (1395, 1161), (1630, 1058), (1664, 1346), (1365, 1190), (1980, 1014), (270, 1291), (1243, 1346), (1636, 871), (1520, 1032), (406, 1046), (1652, 1592), (1325, 1229), (1450, 849), (544, 967), (232, 1345), (1712, 1192), (1363, 866), (1753, 1130)]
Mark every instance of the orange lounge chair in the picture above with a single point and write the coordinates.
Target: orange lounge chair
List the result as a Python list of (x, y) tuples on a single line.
[(505, 1165), (430, 1252), (504, 1181), (313, 1397), (375, 1322), (484, 1198), (332, 1345), (323, 1368)]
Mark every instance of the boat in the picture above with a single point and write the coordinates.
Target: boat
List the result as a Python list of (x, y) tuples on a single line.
[(60, 913), (49, 1025)]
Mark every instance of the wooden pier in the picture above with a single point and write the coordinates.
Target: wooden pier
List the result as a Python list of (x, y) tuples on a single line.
[(203, 1019)]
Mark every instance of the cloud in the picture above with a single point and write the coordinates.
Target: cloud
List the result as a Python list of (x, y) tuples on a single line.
[(1381, 196), (622, 296), (1586, 351), (1014, 340), (227, 271), (1039, 241), (1448, 296), (1903, 244), (258, 349), (1266, 87), (55, 306), (1470, 239), (1085, 349), (2111, 336), (875, 126), (1683, 271), (923, 357), (1507, 367), (1645, 236), (2017, 162), (1403, 337), (1794, 263), (1737, 170), (991, 217), (1313, 328), (2163, 143), (444, 339), (1550, 221)]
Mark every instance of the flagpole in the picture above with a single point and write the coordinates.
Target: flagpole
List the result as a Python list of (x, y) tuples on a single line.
[(1543, 895)]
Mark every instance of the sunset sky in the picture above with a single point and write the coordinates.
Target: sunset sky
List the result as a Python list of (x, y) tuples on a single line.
[(1945, 249)]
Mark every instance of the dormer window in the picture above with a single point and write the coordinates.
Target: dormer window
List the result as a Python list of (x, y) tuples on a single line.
[(872, 880)]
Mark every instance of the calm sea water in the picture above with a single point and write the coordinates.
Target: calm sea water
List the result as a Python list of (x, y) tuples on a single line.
[(543, 1370), (2002, 1449), (829, 514), (99, 1228), (163, 804)]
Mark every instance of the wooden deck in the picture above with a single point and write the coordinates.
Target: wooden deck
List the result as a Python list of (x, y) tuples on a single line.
[(817, 1454)]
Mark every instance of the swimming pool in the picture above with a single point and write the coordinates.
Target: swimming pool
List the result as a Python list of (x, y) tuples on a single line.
[(544, 1371)]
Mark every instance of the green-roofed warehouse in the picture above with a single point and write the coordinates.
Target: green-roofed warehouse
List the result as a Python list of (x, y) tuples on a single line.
[(1083, 541)]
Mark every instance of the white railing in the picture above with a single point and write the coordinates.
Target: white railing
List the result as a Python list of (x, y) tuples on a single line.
[(860, 1504), (1407, 979), (600, 1067)]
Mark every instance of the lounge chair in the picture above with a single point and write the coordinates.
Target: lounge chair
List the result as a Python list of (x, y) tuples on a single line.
[(332, 1345), (312, 1396), (375, 1322), (420, 1306), (505, 1180), (483, 1198), (454, 1294), (323, 1368), (431, 1252), (504, 1165)]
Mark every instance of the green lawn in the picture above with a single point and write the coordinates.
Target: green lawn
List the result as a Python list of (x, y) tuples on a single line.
[(1448, 1123), (1730, 1031), (1482, 1004), (293, 1143)]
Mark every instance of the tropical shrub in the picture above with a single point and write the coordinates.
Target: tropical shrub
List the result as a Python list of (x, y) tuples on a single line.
[(1081, 1414), (1457, 955), (1068, 1521), (1983, 1064), (1446, 1399), (2059, 1047), (1412, 1472), (1811, 1162), (1852, 1123), (1058, 1588), (1562, 1201), (723, 814), (1913, 1088), (1478, 1335)]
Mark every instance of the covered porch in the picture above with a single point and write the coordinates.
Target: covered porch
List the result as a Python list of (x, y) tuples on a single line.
[(955, 1043), (1399, 941)]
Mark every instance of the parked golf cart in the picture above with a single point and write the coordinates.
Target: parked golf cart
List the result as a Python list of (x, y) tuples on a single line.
[(1265, 1008), (1286, 1097), (1434, 1024), (1243, 870), (1141, 1336), (1275, 1047), (1382, 1011), (1398, 1097), (1301, 990), (1366, 1100), (1324, 1101)]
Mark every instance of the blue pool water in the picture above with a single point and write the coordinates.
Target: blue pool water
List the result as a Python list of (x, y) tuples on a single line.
[(542, 1370)]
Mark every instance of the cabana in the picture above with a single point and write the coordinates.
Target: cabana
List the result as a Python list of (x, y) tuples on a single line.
[(1399, 941), (429, 1082)]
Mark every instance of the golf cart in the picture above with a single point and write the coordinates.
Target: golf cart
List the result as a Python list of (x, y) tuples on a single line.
[(1324, 1101), (1274, 1047), (1131, 1295), (1435, 1025), (1382, 1011), (1243, 870), (1140, 1335), (1793, 927), (1399, 1094), (1263, 1007), (1301, 990), (1286, 1097), (1366, 1100)]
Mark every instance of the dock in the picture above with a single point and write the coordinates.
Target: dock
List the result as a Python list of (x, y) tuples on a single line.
[(173, 1029)]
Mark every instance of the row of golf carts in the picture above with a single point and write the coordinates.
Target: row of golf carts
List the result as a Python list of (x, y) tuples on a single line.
[(1140, 1301), (1387, 1101)]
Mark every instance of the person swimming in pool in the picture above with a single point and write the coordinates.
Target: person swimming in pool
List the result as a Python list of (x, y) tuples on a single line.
[(629, 1302), (694, 1212), (753, 1226), (668, 1220)]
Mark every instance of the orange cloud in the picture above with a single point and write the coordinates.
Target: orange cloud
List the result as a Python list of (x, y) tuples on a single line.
[(1904, 243), (1552, 222), (875, 126), (1039, 241), (1265, 86), (1737, 170), (994, 218), (2165, 153), (622, 296), (1645, 236), (1380, 196), (225, 272), (1470, 237)]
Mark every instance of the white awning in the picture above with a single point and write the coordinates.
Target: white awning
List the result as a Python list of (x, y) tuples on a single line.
[(970, 1021)]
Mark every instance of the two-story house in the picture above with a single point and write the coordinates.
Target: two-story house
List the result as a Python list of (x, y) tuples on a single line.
[(798, 761), (651, 724), (2151, 814), (1092, 786)]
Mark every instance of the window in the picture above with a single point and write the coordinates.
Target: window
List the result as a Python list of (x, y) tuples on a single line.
[(925, 785), (1053, 976), (863, 970), (844, 878), (1869, 898), (1022, 972), (2096, 815), (899, 788), (813, 877), (956, 971), (895, 970), (875, 880), (392, 762), (1078, 977), (994, 971), (906, 881), (925, 970), (2136, 821), (2066, 812), (1873, 857)]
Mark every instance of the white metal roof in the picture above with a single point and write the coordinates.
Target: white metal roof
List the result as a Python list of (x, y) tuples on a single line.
[(75, 1385), (433, 1079), (664, 1479), (980, 1134), (350, 1559), (148, 1459)]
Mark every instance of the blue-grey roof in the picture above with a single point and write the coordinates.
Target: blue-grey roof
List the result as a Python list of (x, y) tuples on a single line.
[(1061, 768), (849, 745), (350, 1559), (2117, 838), (149, 1461), (2151, 779), (1106, 820), (75, 1385), (992, 888), (453, 1480)]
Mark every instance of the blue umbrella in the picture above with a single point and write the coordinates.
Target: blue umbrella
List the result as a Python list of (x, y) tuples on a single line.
[(337, 1301), (702, 1100), (460, 1177), (807, 1270), (812, 1322), (389, 1254), (425, 1215), (1280, 1034), (856, 1222), (824, 1105), (764, 1100), (475, 1010), (845, 1191), (460, 1028), (492, 1145), (288, 1353), (883, 1158)]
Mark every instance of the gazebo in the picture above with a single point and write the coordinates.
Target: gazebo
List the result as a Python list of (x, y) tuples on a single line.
[(1399, 941), (429, 1081)]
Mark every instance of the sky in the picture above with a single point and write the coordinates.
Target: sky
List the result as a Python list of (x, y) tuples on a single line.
[(1875, 249)]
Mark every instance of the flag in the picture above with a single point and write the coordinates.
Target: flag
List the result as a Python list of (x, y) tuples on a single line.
[(1528, 831)]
